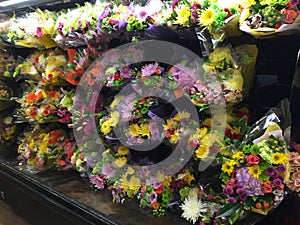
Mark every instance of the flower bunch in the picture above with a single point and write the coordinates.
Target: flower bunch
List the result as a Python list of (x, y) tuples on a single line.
[(46, 106), (47, 150), (44, 66), (8, 64), (179, 13), (253, 178), (8, 129), (36, 29), (81, 21), (78, 61), (270, 16), (294, 179), (178, 127), (215, 16), (131, 18)]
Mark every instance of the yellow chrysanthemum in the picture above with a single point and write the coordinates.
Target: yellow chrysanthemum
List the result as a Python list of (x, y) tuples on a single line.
[(228, 167), (182, 115), (134, 129), (247, 3), (120, 162), (144, 130), (106, 127), (183, 15), (279, 158), (239, 155), (255, 171), (123, 150), (207, 17), (202, 151)]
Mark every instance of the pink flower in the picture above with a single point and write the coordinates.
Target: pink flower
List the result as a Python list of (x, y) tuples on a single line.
[(253, 159), (39, 32)]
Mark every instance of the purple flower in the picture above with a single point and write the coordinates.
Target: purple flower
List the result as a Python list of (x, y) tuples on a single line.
[(281, 168), (154, 182), (247, 182), (116, 197), (294, 2), (97, 181), (184, 76), (152, 197), (214, 149), (108, 170), (270, 172), (277, 182), (125, 72), (149, 69), (154, 130), (242, 193), (228, 190), (174, 3), (231, 200)]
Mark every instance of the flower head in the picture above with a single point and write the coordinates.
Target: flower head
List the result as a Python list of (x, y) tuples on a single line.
[(192, 209), (207, 17)]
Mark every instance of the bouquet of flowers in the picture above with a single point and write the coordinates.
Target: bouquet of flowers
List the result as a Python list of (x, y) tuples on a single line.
[(294, 178), (8, 64), (8, 130), (266, 18), (6, 94), (34, 30), (44, 149), (43, 106), (44, 67), (254, 177)]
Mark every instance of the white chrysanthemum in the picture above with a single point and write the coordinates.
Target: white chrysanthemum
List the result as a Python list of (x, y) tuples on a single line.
[(192, 209)]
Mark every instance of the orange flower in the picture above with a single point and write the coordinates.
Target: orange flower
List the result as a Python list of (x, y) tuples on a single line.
[(33, 113), (290, 15), (155, 205), (159, 190), (39, 96), (31, 98), (46, 112)]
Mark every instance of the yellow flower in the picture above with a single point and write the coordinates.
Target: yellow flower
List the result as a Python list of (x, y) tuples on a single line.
[(183, 15), (134, 129), (129, 171), (144, 130), (187, 176), (115, 117), (199, 134), (164, 179), (239, 155), (255, 171), (207, 17), (202, 151), (175, 137), (228, 167), (279, 158), (247, 3), (123, 150), (182, 115), (116, 101), (106, 126), (120, 162)]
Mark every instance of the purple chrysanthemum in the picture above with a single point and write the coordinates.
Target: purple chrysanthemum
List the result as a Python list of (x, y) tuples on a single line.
[(125, 72), (149, 69), (108, 170)]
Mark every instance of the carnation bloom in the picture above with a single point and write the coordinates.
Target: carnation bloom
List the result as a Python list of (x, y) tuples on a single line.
[(192, 209), (207, 17)]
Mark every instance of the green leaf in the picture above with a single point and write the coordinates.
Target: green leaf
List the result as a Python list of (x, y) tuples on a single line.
[(228, 210)]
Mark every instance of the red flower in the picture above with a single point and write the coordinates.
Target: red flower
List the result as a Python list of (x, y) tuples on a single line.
[(228, 132), (228, 12), (231, 182), (253, 159), (290, 15), (278, 25)]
